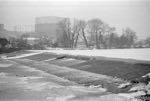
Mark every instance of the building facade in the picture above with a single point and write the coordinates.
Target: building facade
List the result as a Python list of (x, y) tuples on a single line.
[(1, 27), (47, 26)]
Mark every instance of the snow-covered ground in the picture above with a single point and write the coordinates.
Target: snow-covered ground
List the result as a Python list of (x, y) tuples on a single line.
[(138, 54), (20, 82), (23, 55)]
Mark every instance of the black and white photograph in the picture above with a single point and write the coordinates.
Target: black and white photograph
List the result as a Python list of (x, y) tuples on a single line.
[(74, 50)]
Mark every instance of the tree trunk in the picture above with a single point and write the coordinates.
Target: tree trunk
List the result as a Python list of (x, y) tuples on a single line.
[(85, 40), (76, 40), (97, 41), (73, 39)]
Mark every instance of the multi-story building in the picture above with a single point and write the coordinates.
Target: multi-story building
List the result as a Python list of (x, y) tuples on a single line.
[(47, 25), (2, 27)]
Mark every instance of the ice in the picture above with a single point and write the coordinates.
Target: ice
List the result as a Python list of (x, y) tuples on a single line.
[(138, 54), (25, 55)]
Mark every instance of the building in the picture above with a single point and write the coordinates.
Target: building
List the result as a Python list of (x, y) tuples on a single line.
[(8, 34), (24, 28), (47, 25), (2, 27)]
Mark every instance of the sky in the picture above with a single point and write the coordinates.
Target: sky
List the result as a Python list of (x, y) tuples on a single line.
[(117, 13)]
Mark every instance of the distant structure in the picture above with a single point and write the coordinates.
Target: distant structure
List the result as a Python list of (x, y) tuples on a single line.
[(24, 28), (8, 34), (2, 27), (47, 25)]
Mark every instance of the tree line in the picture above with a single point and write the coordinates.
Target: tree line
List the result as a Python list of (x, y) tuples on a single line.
[(89, 34), (94, 33)]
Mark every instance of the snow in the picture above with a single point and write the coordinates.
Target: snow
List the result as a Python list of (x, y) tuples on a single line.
[(25, 55), (138, 87), (2, 74), (49, 86), (137, 90), (5, 65), (132, 95), (138, 54), (50, 59), (63, 98), (146, 75), (31, 38), (124, 85)]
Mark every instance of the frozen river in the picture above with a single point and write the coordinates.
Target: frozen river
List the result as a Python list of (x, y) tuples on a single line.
[(138, 54)]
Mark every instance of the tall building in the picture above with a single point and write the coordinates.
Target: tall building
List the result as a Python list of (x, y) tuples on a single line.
[(1, 27), (47, 25)]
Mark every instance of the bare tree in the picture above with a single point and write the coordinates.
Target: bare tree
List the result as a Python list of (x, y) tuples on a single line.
[(108, 36), (113, 40), (64, 33), (75, 32), (128, 38), (147, 42), (70, 33), (95, 26), (82, 26)]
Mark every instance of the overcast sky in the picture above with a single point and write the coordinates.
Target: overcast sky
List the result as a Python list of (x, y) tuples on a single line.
[(118, 13)]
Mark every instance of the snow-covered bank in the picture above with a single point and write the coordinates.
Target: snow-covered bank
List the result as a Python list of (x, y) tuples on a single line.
[(24, 55), (138, 54), (20, 82)]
